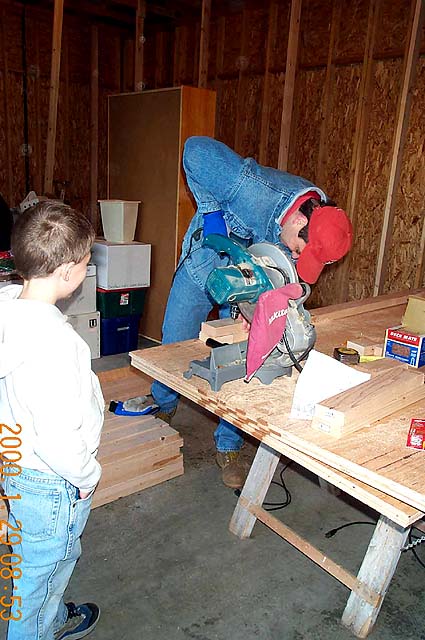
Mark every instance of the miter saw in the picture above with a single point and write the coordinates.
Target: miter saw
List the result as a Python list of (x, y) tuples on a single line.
[(254, 270)]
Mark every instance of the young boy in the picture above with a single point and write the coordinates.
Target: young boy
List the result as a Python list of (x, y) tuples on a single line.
[(51, 406)]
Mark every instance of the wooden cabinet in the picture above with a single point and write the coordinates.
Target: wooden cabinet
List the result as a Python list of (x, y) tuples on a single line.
[(147, 131)]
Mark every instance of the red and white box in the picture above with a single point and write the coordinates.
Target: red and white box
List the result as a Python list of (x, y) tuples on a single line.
[(404, 345), (416, 435)]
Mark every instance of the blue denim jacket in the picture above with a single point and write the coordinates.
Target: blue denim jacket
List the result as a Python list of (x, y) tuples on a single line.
[(253, 198)]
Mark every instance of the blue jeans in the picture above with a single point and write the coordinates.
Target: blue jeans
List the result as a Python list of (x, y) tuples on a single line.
[(50, 520), (188, 305)]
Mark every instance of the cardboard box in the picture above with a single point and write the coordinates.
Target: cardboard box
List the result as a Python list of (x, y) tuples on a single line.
[(87, 325), (83, 300), (122, 265), (404, 345)]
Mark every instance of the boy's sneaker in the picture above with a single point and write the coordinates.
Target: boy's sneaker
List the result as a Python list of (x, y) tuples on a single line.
[(81, 621)]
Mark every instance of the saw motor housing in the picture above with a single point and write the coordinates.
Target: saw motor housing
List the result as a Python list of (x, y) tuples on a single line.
[(256, 269)]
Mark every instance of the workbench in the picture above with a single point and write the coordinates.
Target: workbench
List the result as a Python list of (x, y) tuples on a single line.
[(371, 464)]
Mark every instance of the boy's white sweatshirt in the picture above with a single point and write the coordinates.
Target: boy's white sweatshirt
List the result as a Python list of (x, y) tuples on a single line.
[(48, 388)]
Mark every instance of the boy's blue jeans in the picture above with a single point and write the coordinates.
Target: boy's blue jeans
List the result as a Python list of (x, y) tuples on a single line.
[(188, 305), (50, 520)]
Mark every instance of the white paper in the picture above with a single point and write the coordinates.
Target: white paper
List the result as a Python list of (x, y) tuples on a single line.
[(322, 377)]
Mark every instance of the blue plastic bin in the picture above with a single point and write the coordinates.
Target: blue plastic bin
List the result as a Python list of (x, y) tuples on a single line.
[(119, 335)]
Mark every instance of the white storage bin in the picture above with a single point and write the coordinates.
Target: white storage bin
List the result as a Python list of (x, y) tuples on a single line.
[(122, 266), (87, 325), (119, 219), (83, 300)]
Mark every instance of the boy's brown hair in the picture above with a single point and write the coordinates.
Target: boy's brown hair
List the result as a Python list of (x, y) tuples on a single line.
[(48, 235)]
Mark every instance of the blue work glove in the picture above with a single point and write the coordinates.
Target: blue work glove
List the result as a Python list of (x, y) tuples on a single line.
[(214, 223)]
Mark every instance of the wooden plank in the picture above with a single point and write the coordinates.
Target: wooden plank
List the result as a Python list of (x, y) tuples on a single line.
[(362, 591), (128, 466), (139, 45), (265, 103), (53, 96), (254, 491), (288, 93), (204, 44), (327, 95), (94, 123), (370, 401), (377, 456), (376, 572), (356, 307), (409, 72), (171, 470), (360, 137)]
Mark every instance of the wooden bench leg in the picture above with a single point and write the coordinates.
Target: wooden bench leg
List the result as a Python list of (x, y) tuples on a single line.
[(378, 567), (255, 489)]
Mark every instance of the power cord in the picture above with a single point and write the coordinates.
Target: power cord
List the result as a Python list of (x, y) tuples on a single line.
[(332, 532), (413, 542), (275, 506), (195, 236)]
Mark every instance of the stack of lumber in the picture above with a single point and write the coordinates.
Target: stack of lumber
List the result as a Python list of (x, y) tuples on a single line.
[(135, 453), (226, 330), (393, 386)]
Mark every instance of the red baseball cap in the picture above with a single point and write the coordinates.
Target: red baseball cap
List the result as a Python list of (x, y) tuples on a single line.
[(330, 235)]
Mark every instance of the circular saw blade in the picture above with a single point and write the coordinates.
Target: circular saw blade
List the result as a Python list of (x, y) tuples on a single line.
[(278, 267)]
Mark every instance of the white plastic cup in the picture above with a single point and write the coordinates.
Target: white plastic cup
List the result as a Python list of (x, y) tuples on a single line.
[(119, 219)]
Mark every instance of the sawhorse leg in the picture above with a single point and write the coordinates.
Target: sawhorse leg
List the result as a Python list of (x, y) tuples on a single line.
[(378, 567), (255, 489)]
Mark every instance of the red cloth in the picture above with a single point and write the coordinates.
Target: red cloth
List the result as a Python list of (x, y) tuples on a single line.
[(268, 325)]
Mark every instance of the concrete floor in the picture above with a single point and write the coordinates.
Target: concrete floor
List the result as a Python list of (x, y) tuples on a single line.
[(162, 564)]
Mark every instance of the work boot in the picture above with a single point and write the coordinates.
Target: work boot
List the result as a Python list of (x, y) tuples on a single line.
[(166, 415), (233, 474)]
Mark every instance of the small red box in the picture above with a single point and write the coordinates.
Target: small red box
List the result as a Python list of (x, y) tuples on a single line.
[(416, 436)]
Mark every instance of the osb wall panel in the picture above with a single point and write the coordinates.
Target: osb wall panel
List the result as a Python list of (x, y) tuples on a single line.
[(276, 84), (315, 27), (352, 30), (405, 251), (280, 44), (249, 115), (305, 138), (256, 22), (4, 160), (371, 204), (392, 27), (227, 93), (232, 44), (16, 139), (79, 165), (341, 129)]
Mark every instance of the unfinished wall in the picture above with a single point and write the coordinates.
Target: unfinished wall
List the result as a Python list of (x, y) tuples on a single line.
[(349, 76), (18, 171)]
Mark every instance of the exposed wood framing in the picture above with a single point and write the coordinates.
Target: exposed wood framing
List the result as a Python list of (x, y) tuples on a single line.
[(204, 43), (288, 93), (139, 45), (419, 276), (94, 126), (6, 108), (328, 94), (54, 95), (265, 105), (360, 137), (409, 72)]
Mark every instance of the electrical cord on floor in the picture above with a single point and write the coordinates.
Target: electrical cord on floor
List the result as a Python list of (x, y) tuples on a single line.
[(413, 542), (332, 532), (275, 506)]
